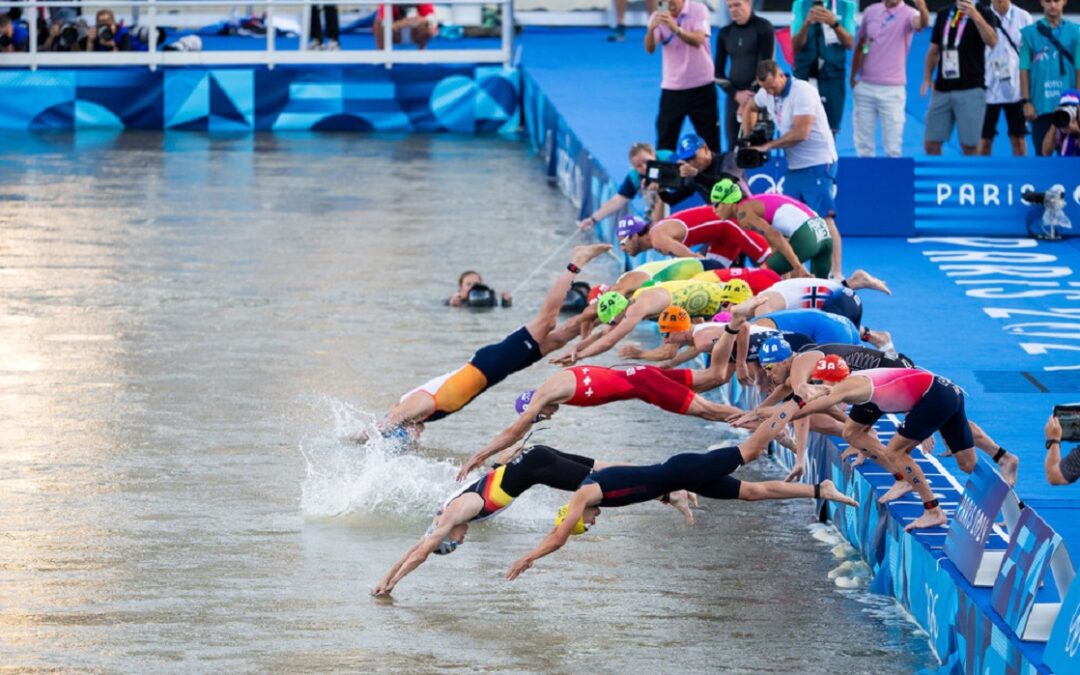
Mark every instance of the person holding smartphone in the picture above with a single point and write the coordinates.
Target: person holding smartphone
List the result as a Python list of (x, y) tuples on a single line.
[(1062, 471)]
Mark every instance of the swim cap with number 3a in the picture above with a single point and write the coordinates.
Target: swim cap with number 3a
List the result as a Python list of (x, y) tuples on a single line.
[(832, 368)]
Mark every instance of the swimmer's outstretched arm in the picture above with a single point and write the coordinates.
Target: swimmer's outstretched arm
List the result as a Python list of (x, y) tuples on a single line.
[(455, 514), (661, 353), (557, 538), (682, 357)]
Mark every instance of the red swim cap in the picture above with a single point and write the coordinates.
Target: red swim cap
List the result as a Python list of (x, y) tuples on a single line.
[(831, 369), (596, 291)]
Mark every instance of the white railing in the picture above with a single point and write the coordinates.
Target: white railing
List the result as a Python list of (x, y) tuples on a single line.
[(268, 56)]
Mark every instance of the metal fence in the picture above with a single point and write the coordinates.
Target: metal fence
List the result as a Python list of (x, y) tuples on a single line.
[(269, 55)]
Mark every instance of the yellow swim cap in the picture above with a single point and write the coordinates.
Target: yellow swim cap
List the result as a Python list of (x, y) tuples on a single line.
[(674, 319), (560, 516), (736, 291)]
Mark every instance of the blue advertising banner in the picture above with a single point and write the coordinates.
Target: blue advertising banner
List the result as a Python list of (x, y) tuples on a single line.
[(1026, 561), (1063, 649), (969, 529)]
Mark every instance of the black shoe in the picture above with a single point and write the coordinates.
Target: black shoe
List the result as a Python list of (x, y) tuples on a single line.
[(617, 34)]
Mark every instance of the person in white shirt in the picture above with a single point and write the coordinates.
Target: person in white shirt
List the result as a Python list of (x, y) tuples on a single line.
[(805, 136), (1003, 79)]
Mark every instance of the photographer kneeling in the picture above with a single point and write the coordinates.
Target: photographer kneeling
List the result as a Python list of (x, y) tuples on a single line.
[(106, 36), (796, 108), (1062, 471), (1063, 136)]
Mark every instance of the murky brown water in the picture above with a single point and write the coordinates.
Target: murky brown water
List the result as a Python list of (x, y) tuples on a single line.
[(187, 327)]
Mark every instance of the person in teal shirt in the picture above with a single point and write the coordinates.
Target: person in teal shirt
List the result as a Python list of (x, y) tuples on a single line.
[(821, 33), (1049, 54)]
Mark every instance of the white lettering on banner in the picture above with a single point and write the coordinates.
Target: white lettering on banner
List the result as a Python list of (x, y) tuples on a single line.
[(972, 518), (989, 194), (1026, 269), (1072, 643), (931, 613)]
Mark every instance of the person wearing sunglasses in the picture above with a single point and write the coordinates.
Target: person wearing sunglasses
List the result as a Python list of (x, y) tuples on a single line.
[(706, 474)]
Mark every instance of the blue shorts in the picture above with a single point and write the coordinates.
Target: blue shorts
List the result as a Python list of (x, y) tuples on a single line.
[(517, 351), (813, 186), (940, 409), (845, 303)]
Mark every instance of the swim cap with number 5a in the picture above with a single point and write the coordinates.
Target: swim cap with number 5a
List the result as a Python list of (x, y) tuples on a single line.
[(610, 305)]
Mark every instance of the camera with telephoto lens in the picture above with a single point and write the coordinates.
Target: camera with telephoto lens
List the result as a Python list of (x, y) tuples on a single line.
[(104, 33), (5, 41), (1068, 415), (70, 36), (664, 174), (1063, 116), (746, 157)]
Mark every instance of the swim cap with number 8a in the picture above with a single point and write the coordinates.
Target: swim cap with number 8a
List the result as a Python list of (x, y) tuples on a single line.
[(579, 526), (674, 319), (726, 191), (832, 368), (774, 350), (610, 305)]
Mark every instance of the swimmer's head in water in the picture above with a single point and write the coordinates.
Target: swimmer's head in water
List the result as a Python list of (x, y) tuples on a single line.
[(736, 291), (673, 319), (454, 538), (596, 291), (831, 369), (726, 191), (579, 526), (610, 305), (774, 350), (523, 400)]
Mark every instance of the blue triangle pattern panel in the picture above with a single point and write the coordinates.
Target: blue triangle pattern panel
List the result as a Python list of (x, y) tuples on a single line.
[(412, 97)]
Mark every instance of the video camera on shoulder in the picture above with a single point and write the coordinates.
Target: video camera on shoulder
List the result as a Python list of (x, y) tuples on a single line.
[(746, 157), (1069, 416), (664, 174)]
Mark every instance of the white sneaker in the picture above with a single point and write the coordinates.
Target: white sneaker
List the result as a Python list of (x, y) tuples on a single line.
[(332, 46), (314, 46)]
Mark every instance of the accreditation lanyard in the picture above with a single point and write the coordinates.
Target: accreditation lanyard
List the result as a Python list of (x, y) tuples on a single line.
[(669, 38), (958, 23)]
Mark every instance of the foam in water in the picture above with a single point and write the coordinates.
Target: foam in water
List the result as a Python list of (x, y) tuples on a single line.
[(383, 476)]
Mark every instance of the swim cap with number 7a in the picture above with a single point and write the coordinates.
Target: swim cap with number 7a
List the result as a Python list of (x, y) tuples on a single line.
[(610, 305), (726, 191), (674, 319)]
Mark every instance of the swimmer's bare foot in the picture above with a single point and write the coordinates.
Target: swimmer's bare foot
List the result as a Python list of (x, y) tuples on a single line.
[(899, 489), (744, 310), (359, 437), (829, 492), (680, 499), (878, 338), (927, 446), (583, 254), (1009, 465), (930, 518), (861, 279)]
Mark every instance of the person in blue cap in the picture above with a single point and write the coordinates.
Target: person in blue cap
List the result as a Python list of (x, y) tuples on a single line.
[(700, 168)]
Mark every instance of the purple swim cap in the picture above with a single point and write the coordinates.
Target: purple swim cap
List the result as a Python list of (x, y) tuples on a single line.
[(630, 226), (722, 317), (522, 401)]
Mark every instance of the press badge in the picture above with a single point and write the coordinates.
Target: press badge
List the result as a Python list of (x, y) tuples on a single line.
[(950, 64), (1001, 69)]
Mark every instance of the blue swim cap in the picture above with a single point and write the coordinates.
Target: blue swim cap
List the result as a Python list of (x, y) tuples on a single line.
[(523, 400), (774, 350), (688, 147)]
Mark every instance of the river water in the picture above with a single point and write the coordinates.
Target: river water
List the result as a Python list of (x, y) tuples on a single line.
[(191, 325)]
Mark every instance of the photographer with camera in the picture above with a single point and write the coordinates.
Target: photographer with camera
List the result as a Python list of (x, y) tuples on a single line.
[(642, 156), (1064, 424), (806, 139), (7, 34), (1049, 55), (106, 36), (1063, 136)]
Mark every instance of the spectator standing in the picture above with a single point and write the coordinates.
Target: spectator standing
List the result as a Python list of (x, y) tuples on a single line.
[(821, 33), (333, 29), (618, 33), (687, 88), (958, 53), (879, 73), (805, 137), (1049, 53), (747, 40), (106, 36), (1003, 79)]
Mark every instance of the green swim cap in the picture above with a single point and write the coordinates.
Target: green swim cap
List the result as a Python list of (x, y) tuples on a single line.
[(726, 191), (610, 305)]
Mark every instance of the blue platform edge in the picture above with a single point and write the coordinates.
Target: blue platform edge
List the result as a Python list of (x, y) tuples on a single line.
[(966, 632)]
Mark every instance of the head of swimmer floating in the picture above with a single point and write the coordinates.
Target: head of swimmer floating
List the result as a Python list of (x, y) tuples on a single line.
[(673, 320), (631, 233), (725, 197), (830, 369), (467, 280), (734, 292), (523, 401), (588, 517), (610, 306), (775, 357), (454, 538)]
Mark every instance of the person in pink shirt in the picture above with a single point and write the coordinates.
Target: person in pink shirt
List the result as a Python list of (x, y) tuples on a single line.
[(686, 90), (879, 72)]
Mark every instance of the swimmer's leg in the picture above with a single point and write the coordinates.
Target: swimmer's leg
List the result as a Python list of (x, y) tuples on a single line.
[(862, 279), (1006, 461), (775, 489), (898, 453), (548, 316), (836, 250)]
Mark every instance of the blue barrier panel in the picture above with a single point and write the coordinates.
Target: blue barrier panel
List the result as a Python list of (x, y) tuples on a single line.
[(969, 529), (1026, 562), (1063, 650)]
